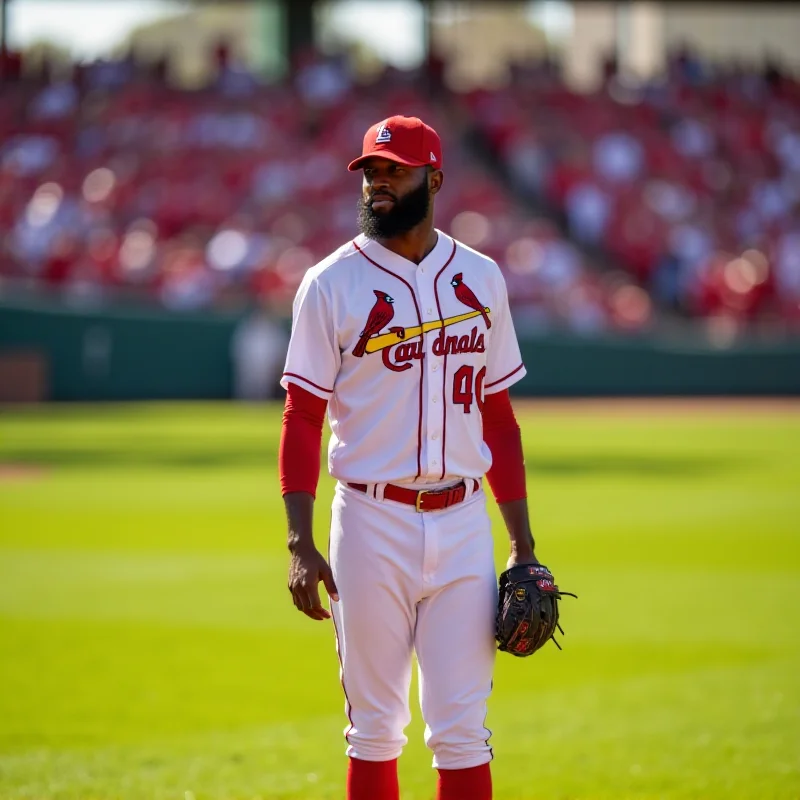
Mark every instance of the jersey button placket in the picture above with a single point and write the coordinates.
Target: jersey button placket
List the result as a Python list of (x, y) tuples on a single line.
[(435, 424), (431, 365)]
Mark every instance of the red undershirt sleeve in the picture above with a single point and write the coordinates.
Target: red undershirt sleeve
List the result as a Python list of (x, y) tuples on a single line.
[(301, 437), (502, 436)]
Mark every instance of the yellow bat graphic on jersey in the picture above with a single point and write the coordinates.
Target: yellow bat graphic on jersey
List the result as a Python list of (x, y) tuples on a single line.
[(377, 343)]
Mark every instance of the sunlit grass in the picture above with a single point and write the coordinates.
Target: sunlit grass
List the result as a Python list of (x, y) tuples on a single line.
[(148, 648)]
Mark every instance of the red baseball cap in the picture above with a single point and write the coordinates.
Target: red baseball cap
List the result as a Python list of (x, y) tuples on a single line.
[(406, 140)]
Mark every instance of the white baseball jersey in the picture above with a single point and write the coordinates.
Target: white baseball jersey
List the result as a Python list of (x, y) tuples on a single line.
[(405, 354)]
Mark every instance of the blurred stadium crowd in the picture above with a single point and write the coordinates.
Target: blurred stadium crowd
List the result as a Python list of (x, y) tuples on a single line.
[(605, 210)]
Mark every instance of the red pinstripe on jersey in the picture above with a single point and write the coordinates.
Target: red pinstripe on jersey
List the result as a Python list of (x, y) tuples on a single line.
[(444, 367), (421, 365)]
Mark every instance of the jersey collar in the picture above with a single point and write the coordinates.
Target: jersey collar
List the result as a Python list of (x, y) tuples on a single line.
[(434, 261)]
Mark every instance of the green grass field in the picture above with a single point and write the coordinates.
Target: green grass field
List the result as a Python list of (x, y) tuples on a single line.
[(149, 649)]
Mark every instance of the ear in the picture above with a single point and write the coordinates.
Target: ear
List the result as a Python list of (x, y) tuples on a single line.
[(435, 180)]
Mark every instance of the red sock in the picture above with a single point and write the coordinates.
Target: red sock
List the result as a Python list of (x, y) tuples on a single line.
[(474, 783), (372, 780)]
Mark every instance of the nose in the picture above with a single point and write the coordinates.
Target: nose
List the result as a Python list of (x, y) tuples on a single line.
[(378, 184)]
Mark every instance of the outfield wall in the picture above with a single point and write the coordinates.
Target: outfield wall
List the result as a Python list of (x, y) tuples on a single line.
[(565, 366), (136, 354), (129, 354)]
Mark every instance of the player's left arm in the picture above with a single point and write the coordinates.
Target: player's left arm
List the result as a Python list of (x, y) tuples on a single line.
[(504, 367), (506, 477)]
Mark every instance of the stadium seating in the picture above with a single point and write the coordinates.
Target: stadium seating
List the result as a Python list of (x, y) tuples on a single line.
[(116, 184), (691, 183)]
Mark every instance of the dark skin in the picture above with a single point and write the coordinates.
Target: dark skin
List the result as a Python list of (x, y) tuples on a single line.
[(383, 182), (386, 180)]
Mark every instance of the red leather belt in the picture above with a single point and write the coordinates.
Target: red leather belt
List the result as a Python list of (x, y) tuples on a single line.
[(423, 500)]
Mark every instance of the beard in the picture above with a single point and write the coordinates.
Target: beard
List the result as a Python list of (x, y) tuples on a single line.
[(406, 213)]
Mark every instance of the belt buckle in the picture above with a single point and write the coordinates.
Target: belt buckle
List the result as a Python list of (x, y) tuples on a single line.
[(455, 494)]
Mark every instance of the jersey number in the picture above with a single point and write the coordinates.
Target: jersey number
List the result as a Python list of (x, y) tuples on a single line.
[(463, 387)]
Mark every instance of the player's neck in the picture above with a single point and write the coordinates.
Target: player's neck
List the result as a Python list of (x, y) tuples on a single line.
[(415, 244)]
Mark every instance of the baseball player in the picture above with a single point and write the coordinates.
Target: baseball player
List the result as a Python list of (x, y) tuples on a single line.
[(404, 336)]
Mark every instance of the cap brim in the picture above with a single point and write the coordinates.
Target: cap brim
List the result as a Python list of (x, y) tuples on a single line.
[(389, 156)]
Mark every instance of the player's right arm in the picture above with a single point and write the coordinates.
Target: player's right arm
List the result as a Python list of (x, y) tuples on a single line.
[(307, 566), (312, 363), (298, 465)]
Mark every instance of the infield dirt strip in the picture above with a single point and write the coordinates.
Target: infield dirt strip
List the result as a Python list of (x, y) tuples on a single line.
[(14, 473)]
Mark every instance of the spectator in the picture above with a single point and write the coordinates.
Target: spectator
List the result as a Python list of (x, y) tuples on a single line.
[(588, 210), (618, 157)]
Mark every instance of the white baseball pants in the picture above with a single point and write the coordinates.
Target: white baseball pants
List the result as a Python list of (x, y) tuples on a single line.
[(423, 582)]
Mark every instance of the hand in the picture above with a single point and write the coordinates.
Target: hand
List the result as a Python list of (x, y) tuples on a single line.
[(518, 557), (306, 569)]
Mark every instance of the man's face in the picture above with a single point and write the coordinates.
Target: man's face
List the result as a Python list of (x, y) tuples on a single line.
[(394, 198)]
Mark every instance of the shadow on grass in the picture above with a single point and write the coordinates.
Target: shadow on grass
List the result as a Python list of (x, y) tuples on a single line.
[(653, 466), (249, 455), (110, 457)]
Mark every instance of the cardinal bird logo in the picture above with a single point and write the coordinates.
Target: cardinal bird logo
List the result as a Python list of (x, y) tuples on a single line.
[(467, 297), (380, 316)]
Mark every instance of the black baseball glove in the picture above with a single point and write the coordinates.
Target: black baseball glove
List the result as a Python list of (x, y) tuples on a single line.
[(527, 609)]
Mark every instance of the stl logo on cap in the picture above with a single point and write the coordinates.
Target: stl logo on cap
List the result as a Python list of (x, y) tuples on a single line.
[(384, 134)]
